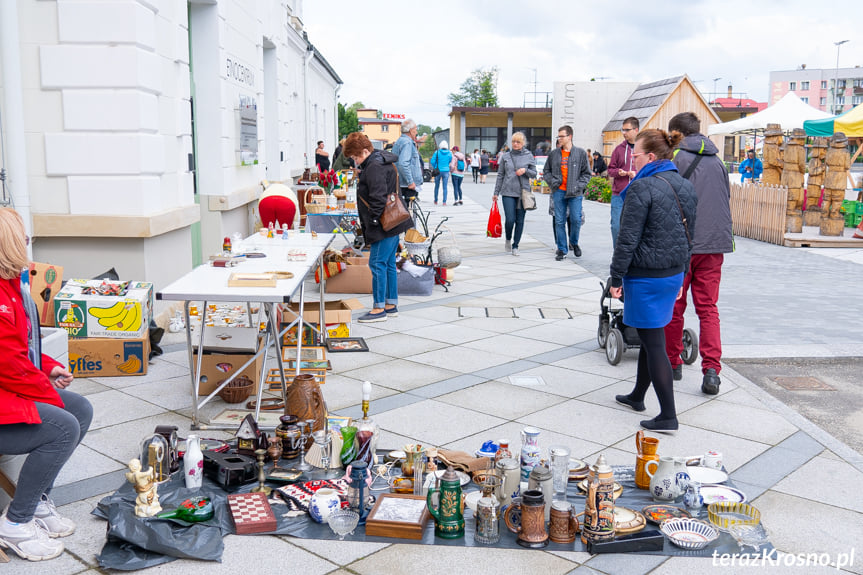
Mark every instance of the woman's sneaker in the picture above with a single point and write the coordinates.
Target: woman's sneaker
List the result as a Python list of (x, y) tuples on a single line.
[(29, 540), (55, 524)]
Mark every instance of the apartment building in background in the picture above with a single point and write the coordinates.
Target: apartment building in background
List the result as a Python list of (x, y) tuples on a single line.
[(815, 86)]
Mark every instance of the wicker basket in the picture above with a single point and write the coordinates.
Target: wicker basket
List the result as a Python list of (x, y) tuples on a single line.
[(238, 390), (315, 200), (420, 249)]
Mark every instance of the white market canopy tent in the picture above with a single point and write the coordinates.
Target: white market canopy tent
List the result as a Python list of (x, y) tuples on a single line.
[(790, 112)]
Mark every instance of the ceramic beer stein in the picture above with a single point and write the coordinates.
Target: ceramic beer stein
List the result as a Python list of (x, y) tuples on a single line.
[(531, 529), (510, 473), (487, 514), (448, 515), (529, 451), (563, 525), (542, 480)]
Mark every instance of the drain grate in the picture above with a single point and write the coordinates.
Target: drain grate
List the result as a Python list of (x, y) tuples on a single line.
[(526, 380), (802, 384)]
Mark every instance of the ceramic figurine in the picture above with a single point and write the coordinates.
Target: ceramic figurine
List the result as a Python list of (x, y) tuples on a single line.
[(147, 502)]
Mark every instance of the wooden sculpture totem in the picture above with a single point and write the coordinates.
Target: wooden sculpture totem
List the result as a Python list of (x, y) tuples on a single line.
[(812, 215), (793, 169), (773, 161), (838, 163)]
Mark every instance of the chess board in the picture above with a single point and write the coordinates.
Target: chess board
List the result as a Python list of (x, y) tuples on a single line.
[(251, 513)]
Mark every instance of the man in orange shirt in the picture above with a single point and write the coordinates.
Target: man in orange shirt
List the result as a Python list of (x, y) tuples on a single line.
[(567, 172)]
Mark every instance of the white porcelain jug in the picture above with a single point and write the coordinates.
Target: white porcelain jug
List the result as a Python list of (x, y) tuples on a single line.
[(663, 479)]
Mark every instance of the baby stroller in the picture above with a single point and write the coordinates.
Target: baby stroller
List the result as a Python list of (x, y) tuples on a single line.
[(616, 337)]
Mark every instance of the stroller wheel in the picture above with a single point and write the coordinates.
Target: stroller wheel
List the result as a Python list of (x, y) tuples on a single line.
[(614, 346), (690, 346), (602, 331)]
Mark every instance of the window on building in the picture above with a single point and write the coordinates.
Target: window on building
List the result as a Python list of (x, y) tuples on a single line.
[(823, 84), (804, 85), (842, 84), (840, 100), (856, 100), (858, 82), (385, 128), (823, 101), (804, 100), (792, 86)]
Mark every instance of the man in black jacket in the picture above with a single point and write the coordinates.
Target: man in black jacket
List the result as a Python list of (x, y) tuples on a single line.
[(567, 173), (697, 160)]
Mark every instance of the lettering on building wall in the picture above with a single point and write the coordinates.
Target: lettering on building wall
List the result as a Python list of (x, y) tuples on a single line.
[(238, 72), (568, 112), (394, 117)]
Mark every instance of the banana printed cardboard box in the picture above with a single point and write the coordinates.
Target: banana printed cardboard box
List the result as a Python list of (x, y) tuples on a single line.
[(104, 308), (103, 357)]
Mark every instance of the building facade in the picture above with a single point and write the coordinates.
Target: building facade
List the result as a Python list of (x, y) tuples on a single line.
[(380, 128), (586, 107), (146, 126), (491, 128), (816, 87)]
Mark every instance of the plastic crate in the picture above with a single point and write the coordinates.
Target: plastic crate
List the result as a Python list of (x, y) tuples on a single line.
[(853, 220), (848, 206)]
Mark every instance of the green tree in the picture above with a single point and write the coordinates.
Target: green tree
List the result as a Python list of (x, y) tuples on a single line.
[(478, 90), (348, 119), (428, 148)]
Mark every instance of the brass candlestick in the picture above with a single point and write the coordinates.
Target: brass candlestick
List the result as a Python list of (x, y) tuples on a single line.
[(261, 488)]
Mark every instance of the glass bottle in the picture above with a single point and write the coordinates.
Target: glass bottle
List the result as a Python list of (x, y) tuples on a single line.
[(367, 430)]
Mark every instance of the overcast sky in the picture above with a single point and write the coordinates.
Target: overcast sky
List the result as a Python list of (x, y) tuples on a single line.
[(406, 56)]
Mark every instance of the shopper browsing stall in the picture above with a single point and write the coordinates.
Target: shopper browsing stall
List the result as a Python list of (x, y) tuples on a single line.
[(515, 170), (38, 416)]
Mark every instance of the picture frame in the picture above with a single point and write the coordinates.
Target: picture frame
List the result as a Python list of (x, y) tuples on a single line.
[(337, 422), (274, 383), (344, 344), (307, 353), (398, 515), (311, 366)]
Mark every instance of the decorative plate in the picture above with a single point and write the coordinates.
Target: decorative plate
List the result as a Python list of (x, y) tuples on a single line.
[(628, 521), (432, 478), (689, 533), (618, 488), (578, 469), (707, 475), (717, 493), (656, 514)]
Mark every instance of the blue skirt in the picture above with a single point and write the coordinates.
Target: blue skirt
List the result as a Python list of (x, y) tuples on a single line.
[(649, 302)]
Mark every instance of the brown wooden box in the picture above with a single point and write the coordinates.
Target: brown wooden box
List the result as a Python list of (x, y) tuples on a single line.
[(390, 517)]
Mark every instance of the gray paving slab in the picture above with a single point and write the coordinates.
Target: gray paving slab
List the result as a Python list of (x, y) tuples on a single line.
[(625, 563)]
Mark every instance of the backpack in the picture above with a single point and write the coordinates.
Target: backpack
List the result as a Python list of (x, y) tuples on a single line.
[(460, 165)]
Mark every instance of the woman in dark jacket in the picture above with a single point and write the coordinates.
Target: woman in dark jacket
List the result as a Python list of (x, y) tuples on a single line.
[(650, 259), (378, 179), (599, 166), (514, 173)]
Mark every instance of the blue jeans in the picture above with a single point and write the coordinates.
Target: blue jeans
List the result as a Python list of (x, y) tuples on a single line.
[(616, 208), (48, 446), (456, 188), (561, 204), (514, 216), (382, 262), (442, 176)]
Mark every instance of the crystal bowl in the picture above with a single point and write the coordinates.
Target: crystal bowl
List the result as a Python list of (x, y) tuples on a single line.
[(751, 535), (343, 522), (689, 533)]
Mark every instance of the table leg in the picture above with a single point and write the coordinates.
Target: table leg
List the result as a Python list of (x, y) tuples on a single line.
[(322, 336), (196, 371), (274, 330)]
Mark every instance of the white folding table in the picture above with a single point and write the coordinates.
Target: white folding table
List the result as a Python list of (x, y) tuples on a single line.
[(207, 283)]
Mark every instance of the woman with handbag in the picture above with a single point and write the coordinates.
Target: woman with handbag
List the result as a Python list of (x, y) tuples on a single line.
[(649, 263), (514, 172), (383, 216)]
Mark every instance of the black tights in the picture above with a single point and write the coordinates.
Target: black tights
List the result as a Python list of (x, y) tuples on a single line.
[(653, 365)]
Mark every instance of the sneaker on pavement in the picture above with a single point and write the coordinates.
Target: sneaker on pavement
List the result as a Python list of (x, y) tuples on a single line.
[(392, 311), (576, 251), (55, 524), (710, 383), (373, 317), (677, 372), (515, 251), (29, 540), (560, 256), (507, 247)]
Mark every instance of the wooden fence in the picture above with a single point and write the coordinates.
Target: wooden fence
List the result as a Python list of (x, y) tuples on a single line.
[(758, 212)]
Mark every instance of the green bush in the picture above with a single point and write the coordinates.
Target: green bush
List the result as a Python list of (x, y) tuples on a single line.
[(598, 189)]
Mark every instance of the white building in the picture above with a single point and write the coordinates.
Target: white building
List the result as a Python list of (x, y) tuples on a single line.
[(587, 107), (136, 132)]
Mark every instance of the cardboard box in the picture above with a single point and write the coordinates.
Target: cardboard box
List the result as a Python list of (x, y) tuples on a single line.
[(124, 316), (45, 282), (104, 357), (356, 278), (217, 367), (337, 317)]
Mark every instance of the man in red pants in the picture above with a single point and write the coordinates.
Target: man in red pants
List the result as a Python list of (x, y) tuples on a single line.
[(698, 162)]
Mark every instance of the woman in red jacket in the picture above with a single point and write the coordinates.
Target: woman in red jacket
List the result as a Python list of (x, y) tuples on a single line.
[(38, 416)]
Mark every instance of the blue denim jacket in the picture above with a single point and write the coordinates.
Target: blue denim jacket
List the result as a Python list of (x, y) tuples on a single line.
[(408, 164)]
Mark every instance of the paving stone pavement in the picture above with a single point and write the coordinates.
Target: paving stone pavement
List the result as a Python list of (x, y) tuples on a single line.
[(442, 376)]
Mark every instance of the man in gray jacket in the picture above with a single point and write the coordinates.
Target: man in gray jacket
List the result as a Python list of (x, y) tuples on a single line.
[(408, 164), (697, 160), (567, 173)]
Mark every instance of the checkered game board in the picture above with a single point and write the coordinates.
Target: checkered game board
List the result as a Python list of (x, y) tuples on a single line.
[(251, 513)]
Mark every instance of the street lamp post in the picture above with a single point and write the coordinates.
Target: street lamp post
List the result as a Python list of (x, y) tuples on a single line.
[(836, 74), (714, 87)]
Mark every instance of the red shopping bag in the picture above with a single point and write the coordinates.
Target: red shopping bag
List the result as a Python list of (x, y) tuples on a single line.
[(494, 227)]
